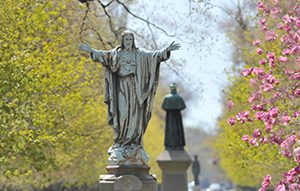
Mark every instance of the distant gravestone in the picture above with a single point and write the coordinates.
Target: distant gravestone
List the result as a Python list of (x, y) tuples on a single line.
[(128, 183)]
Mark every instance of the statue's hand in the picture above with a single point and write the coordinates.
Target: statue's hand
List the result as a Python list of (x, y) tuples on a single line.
[(85, 47), (174, 46)]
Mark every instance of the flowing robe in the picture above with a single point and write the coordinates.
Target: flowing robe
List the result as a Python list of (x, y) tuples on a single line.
[(130, 85)]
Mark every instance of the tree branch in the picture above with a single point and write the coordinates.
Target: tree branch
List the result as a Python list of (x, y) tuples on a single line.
[(109, 17), (144, 20), (84, 20)]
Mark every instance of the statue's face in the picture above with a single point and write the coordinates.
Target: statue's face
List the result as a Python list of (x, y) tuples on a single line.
[(128, 41)]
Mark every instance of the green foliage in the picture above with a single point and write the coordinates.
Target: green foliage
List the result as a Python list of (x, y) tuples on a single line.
[(52, 116), (53, 122)]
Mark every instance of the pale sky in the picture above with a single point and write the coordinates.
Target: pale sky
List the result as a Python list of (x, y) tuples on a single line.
[(203, 63)]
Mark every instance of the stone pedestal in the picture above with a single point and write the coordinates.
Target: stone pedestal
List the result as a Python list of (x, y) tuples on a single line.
[(128, 178), (174, 165)]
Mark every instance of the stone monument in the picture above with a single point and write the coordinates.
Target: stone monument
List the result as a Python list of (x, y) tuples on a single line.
[(131, 80), (174, 161)]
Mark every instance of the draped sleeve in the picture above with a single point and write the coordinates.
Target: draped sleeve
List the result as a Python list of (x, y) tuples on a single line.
[(148, 71), (107, 58)]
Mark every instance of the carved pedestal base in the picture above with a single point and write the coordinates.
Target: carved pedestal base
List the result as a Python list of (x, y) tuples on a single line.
[(127, 178)]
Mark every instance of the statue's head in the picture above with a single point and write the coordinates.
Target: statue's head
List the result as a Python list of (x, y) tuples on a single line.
[(127, 40), (173, 88)]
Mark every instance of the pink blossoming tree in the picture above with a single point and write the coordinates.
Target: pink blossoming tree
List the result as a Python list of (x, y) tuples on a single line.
[(274, 89)]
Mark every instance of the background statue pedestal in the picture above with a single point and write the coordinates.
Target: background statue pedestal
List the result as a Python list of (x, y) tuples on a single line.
[(174, 164), (128, 178)]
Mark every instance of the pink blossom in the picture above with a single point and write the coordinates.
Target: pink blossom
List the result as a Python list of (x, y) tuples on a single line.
[(270, 35), (263, 140), (267, 181), (267, 87), (243, 116), (297, 155), (230, 104), (258, 107), (256, 133), (246, 72), (298, 23), (268, 128), (295, 49), (280, 26), (288, 19), (274, 112), (287, 28), (231, 121), (275, 138), (258, 71), (271, 55), (262, 62), (276, 95), (296, 92), (284, 39), (296, 114), (259, 115), (275, 11), (287, 145), (289, 178), (294, 187), (263, 21), (297, 169), (270, 79), (261, 6), (285, 119), (295, 76), (286, 51), (282, 59), (253, 97), (280, 187), (272, 62), (290, 96), (259, 51), (256, 42), (245, 138), (253, 141), (264, 28)]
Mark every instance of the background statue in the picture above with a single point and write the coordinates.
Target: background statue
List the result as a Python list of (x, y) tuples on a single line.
[(196, 170), (131, 79), (174, 133)]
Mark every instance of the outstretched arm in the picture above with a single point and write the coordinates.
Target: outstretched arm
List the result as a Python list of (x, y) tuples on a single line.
[(106, 58), (164, 54), (173, 46), (85, 47), (97, 55)]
